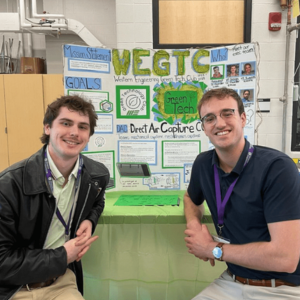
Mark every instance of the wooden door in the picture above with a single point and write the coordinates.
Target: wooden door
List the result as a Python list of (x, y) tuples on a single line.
[(3, 135), (24, 113), (53, 86)]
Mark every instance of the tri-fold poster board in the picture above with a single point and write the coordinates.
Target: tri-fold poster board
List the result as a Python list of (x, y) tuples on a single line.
[(148, 131)]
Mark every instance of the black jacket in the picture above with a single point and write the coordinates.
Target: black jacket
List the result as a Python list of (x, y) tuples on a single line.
[(26, 209)]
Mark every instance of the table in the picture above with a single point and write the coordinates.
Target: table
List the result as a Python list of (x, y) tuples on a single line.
[(141, 254)]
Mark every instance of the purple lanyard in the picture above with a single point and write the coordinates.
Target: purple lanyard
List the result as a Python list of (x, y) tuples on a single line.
[(50, 181), (221, 204)]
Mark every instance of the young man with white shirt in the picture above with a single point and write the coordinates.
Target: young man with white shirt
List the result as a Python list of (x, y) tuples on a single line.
[(49, 207), (253, 194)]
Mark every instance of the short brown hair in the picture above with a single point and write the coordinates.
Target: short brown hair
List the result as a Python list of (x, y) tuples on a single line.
[(247, 64), (221, 93), (73, 103)]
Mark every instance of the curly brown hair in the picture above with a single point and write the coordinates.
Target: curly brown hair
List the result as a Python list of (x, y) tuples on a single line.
[(73, 103)]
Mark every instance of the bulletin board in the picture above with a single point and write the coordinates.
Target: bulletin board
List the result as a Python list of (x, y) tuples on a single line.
[(201, 22), (146, 102)]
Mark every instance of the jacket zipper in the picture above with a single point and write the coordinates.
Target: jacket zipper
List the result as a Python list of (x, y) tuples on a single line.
[(49, 195), (14, 293), (85, 200)]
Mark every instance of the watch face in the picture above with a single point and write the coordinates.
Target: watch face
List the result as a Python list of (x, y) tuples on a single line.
[(217, 252)]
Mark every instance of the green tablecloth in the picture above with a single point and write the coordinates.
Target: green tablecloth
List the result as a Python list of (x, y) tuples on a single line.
[(141, 255), (145, 214)]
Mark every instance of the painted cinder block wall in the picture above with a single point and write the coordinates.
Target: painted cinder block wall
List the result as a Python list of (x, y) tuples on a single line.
[(127, 24), (272, 46), (134, 29)]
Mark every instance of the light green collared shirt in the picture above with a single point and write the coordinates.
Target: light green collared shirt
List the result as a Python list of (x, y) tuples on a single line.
[(64, 200)]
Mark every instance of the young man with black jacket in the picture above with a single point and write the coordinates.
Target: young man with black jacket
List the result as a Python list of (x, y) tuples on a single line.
[(50, 204)]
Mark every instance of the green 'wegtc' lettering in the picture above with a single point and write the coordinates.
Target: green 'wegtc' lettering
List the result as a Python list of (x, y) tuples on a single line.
[(121, 64), (180, 60), (137, 53), (197, 56), (165, 71)]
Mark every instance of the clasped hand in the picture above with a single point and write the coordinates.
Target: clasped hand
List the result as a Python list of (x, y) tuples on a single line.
[(78, 246), (199, 241)]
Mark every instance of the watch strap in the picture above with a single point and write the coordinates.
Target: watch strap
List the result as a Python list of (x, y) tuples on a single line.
[(220, 245)]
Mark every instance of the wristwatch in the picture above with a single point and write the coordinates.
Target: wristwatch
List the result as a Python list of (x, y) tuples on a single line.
[(218, 251)]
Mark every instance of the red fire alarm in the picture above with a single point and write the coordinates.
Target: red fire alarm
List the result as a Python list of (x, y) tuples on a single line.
[(274, 21)]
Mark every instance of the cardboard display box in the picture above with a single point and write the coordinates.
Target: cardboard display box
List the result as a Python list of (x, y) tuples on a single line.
[(32, 65)]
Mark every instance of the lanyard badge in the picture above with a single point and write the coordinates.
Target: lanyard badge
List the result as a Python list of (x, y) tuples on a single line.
[(221, 204), (50, 181)]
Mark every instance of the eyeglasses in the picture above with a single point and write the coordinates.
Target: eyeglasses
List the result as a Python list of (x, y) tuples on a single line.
[(211, 119)]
